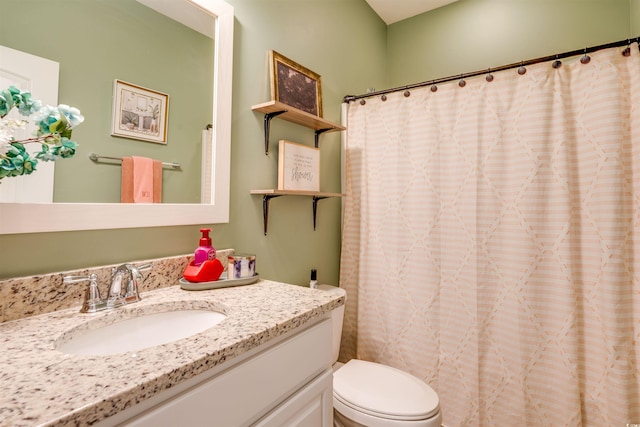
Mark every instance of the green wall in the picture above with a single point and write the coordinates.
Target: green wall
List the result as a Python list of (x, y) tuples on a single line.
[(634, 16), (471, 35), (352, 49), (96, 42), (343, 41)]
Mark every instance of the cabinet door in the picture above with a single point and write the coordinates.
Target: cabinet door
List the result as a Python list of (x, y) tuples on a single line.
[(312, 406)]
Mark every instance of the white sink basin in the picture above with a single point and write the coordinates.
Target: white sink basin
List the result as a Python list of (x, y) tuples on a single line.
[(141, 332)]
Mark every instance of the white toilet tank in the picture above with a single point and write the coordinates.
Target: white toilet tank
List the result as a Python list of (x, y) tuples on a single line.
[(337, 316)]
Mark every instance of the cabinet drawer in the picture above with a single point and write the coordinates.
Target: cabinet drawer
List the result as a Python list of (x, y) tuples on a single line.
[(245, 392)]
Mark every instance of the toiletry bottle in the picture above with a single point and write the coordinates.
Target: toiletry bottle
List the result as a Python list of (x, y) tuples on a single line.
[(205, 251), (313, 284)]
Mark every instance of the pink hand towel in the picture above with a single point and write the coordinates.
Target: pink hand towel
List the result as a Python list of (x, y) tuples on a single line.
[(141, 180)]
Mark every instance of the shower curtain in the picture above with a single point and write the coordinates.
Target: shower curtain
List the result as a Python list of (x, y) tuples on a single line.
[(491, 242)]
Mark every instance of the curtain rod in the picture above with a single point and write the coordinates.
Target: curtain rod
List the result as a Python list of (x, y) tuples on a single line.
[(625, 42)]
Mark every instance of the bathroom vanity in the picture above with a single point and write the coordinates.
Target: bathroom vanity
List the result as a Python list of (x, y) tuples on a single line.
[(268, 363)]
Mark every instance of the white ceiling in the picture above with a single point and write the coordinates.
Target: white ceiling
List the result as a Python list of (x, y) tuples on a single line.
[(396, 10)]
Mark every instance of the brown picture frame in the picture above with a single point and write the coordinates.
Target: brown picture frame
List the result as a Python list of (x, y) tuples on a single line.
[(295, 85), (139, 113)]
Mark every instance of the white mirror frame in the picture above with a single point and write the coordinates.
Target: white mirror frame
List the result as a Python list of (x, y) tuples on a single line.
[(18, 218)]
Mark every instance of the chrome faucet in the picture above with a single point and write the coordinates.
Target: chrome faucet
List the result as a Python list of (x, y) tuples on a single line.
[(122, 290), (127, 294)]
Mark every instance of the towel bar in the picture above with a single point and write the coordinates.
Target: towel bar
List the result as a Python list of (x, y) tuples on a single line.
[(95, 157)]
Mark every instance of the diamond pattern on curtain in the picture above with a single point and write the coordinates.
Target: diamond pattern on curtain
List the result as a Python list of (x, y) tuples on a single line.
[(491, 242)]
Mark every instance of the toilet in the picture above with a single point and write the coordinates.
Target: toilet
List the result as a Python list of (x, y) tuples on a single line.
[(375, 395)]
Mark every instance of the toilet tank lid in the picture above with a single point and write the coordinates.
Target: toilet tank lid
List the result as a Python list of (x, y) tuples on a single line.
[(335, 289), (384, 391)]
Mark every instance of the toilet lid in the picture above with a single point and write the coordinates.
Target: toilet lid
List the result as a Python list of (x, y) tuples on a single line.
[(384, 391)]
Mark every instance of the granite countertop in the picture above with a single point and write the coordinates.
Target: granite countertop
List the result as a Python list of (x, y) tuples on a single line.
[(42, 386)]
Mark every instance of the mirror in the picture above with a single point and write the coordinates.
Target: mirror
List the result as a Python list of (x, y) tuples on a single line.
[(42, 217)]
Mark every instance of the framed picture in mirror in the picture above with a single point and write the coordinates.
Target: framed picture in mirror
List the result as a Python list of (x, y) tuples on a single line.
[(295, 85), (139, 113)]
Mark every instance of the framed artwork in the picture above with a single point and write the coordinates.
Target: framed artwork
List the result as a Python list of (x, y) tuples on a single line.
[(298, 167), (139, 113), (295, 85)]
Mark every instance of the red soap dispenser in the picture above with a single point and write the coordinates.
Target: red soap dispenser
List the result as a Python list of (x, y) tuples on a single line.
[(205, 267), (205, 251)]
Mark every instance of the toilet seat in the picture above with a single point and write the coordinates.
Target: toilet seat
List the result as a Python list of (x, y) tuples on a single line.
[(383, 392)]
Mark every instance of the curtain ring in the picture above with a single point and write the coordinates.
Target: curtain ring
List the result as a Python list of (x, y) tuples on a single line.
[(407, 94), (627, 50), (434, 88), (489, 76), (383, 97), (362, 102), (585, 58), (522, 70), (462, 83), (557, 63)]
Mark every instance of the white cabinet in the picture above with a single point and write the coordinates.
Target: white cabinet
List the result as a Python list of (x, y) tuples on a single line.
[(285, 384), (312, 406)]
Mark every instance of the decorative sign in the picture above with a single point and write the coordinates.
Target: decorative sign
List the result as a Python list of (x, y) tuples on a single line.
[(298, 167)]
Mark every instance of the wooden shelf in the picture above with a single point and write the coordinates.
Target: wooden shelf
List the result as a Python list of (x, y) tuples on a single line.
[(297, 116), (269, 194), (275, 192), (274, 109)]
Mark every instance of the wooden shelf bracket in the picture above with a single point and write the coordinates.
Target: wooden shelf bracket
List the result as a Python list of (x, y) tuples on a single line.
[(265, 209), (315, 208), (318, 133), (267, 128)]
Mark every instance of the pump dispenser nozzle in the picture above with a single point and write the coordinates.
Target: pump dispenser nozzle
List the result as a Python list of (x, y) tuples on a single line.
[(205, 240)]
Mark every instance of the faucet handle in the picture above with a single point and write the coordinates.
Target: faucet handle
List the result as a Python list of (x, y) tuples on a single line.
[(144, 267), (92, 300)]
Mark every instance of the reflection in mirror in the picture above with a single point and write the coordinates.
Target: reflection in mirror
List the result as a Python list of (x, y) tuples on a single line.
[(28, 73), (126, 40), (186, 122)]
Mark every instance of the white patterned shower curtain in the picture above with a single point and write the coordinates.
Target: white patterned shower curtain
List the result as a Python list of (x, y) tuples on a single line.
[(491, 242)]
